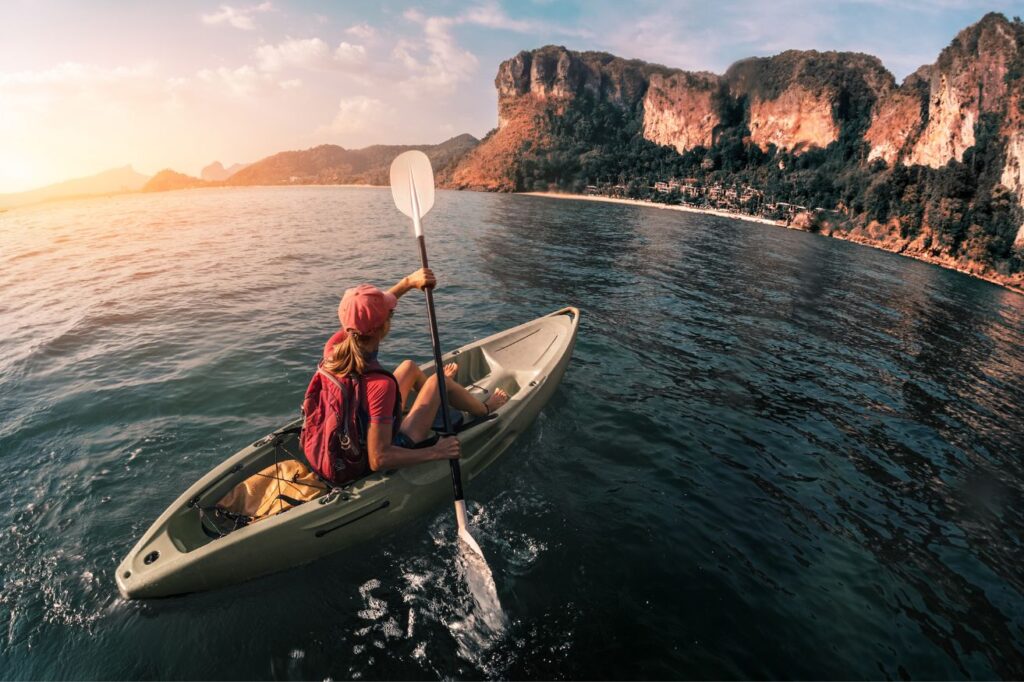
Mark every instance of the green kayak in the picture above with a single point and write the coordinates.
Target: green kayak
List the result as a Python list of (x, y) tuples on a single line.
[(180, 553)]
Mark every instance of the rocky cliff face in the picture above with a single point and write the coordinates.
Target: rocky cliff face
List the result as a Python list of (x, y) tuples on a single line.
[(931, 118), (968, 79), (799, 100), (1013, 175), (680, 111), (796, 119), (795, 100), (557, 126), (898, 117), (533, 85)]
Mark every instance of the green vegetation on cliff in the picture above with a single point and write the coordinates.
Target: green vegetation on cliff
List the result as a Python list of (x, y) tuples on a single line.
[(959, 208)]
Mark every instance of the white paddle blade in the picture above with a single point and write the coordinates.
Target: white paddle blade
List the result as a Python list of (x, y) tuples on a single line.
[(463, 523), (471, 542), (412, 183)]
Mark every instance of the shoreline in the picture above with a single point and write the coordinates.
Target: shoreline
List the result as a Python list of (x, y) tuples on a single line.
[(1009, 286), (651, 204)]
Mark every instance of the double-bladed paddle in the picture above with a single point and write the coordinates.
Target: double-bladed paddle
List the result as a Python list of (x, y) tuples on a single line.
[(412, 186)]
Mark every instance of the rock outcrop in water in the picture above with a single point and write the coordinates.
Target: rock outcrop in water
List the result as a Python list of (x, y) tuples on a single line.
[(932, 167)]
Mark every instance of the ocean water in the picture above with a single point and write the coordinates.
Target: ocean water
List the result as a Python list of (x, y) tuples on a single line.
[(773, 454)]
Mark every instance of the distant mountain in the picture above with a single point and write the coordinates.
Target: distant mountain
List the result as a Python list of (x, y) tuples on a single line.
[(330, 164), (113, 181), (327, 164), (216, 172), (168, 179)]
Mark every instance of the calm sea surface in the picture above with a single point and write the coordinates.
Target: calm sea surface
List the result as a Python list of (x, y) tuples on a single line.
[(773, 454)]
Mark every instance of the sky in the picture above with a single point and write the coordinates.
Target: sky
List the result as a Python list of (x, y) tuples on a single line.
[(88, 86)]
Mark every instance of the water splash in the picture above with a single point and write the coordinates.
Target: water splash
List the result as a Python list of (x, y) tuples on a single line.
[(488, 622), (477, 574)]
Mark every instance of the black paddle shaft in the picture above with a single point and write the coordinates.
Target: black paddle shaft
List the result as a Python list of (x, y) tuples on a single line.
[(442, 387)]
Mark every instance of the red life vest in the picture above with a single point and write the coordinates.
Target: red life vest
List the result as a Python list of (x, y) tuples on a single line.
[(335, 424)]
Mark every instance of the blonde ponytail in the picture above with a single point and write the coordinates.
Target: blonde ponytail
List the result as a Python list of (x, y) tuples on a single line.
[(349, 356)]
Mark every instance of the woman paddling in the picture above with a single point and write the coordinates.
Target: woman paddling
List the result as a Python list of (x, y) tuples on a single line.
[(393, 440)]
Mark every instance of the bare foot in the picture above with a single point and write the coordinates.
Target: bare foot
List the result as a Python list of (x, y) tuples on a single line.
[(450, 370), (497, 399)]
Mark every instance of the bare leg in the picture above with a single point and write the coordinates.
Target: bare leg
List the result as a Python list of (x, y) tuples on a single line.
[(410, 377), (416, 425)]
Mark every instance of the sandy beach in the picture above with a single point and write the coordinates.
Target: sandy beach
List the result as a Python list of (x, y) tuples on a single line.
[(651, 204)]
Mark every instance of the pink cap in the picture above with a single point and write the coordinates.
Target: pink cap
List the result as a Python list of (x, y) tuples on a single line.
[(365, 308)]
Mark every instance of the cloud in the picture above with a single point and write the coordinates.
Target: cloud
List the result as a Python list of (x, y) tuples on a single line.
[(362, 31), (442, 64), (713, 41), (74, 85), (240, 82), (436, 63), (240, 18), (290, 84), (357, 114), (308, 53), (75, 75), (491, 15), (347, 53)]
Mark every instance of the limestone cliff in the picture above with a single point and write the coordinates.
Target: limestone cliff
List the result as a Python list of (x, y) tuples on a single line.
[(969, 79), (899, 117), (932, 167), (531, 87), (680, 111), (795, 100), (799, 100)]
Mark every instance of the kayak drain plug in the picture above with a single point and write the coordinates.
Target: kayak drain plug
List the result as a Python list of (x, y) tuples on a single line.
[(151, 557)]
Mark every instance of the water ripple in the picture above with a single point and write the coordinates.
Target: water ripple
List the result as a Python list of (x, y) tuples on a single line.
[(774, 454)]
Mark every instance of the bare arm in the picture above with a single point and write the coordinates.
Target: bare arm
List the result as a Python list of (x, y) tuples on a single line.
[(421, 279), (384, 455)]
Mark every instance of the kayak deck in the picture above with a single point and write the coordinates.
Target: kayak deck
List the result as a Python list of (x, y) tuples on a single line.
[(178, 554)]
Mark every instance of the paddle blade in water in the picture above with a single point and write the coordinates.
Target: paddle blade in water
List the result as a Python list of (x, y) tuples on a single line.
[(471, 543), (481, 585), (412, 183)]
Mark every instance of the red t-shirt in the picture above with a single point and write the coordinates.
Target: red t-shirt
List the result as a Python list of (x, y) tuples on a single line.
[(380, 390)]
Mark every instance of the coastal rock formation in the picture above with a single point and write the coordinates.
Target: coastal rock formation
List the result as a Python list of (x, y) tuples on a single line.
[(532, 86), (932, 167), (1013, 176), (491, 166), (555, 73), (800, 99), (968, 80), (796, 119), (898, 117), (679, 110)]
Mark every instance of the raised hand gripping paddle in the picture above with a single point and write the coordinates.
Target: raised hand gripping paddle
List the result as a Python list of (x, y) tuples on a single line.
[(412, 186)]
